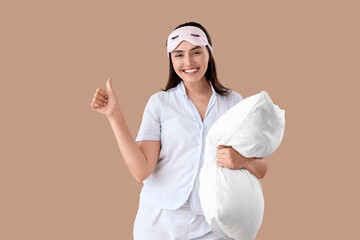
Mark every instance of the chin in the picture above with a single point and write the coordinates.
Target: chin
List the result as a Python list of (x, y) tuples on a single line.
[(190, 80)]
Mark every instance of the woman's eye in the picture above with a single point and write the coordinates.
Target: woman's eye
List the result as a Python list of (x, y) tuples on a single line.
[(194, 53)]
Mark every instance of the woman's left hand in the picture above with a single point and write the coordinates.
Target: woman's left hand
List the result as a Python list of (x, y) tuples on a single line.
[(227, 157)]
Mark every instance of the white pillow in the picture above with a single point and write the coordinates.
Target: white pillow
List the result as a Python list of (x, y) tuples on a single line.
[(232, 200)]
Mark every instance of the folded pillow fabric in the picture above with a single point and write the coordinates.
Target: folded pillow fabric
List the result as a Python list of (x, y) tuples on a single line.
[(232, 200)]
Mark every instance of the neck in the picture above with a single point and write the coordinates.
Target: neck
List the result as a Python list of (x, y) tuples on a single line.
[(199, 88)]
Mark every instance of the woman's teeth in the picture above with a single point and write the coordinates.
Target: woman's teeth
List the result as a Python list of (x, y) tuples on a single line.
[(191, 70)]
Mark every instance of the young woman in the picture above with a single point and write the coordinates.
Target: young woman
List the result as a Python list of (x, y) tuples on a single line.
[(168, 152)]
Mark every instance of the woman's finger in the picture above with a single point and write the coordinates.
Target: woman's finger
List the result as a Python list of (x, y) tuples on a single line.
[(98, 101), (101, 97), (219, 155), (220, 164), (95, 105), (102, 92)]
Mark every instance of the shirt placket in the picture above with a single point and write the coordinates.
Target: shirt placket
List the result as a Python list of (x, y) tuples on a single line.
[(194, 197)]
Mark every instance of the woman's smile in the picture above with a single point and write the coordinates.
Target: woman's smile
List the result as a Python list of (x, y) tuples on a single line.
[(191, 71)]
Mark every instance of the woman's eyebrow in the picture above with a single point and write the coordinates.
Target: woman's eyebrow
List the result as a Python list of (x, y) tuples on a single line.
[(190, 49)]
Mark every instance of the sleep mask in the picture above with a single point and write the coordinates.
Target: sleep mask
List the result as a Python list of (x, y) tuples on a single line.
[(194, 35)]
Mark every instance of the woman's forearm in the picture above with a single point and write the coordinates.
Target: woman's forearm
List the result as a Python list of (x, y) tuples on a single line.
[(256, 166), (134, 158)]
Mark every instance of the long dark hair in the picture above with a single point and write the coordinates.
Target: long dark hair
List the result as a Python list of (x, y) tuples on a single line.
[(210, 74)]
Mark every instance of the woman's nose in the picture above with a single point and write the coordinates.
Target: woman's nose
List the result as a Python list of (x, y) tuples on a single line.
[(188, 60)]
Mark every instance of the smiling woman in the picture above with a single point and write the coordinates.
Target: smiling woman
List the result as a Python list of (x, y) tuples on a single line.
[(168, 152), (180, 117)]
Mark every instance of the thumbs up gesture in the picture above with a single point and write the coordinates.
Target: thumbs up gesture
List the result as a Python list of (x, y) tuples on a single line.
[(105, 101)]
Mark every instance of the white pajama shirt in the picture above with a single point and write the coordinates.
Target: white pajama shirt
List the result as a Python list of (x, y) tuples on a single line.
[(169, 206)]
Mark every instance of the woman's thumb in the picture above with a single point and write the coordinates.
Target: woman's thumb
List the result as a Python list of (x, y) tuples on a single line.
[(108, 84)]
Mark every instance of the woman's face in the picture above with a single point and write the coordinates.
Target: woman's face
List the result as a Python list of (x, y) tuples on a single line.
[(190, 61)]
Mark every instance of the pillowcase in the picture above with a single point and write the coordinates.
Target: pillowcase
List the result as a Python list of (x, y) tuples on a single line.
[(254, 127), (232, 200)]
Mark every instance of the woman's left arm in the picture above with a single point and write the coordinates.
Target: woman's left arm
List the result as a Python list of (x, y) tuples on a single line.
[(228, 157)]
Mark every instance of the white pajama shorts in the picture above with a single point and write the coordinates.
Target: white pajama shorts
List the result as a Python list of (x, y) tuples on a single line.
[(152, 223)]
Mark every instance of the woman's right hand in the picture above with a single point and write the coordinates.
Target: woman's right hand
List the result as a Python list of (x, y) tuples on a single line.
[(105, 101)]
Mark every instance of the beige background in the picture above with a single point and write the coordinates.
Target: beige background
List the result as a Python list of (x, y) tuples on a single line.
[(62, 174)]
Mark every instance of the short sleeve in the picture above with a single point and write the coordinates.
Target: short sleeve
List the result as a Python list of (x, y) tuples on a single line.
[(150, 125), (238, 97)]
